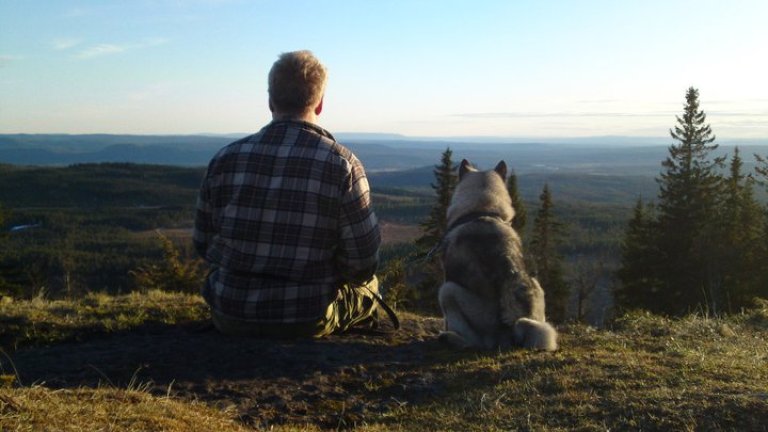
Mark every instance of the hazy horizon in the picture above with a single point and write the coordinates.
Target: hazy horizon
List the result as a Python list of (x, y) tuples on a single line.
[(385, 137)]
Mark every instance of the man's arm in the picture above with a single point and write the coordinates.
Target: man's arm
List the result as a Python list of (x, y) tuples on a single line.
[(204, 229), (358, 255)]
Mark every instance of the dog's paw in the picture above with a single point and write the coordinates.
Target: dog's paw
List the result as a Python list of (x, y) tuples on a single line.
[(535, 335)]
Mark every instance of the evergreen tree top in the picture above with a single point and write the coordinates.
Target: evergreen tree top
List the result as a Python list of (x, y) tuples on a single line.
[(688, 164), (691, 129)]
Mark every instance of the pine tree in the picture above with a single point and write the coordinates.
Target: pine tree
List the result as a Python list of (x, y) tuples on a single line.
[(762, 171), (445, 181), (521, 216), (689, 189), (172, 273), (434, 229), (547, 263), (740, 231), (762, 168), (637, 274)]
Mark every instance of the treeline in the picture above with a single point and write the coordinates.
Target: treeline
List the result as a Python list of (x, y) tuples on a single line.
[(86, 227), (703, 243)]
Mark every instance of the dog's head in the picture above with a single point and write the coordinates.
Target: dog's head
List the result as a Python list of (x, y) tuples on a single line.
[(481, 191), (466, 167)]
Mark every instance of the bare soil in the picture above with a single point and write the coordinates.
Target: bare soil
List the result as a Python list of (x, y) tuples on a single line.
[(335, 382), (394, 233), (391, 233)]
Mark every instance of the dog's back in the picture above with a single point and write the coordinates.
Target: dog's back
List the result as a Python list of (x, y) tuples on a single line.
[(482, 255)]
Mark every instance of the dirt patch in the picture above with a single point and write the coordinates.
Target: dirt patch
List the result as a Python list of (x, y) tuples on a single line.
[(333, 383), (393, 233)]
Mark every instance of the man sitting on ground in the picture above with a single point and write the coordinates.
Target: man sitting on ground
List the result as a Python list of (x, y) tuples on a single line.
[(284, 218)]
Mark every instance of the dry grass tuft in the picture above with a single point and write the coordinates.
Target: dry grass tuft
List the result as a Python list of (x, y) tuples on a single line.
[(41, 409), (40, 321)]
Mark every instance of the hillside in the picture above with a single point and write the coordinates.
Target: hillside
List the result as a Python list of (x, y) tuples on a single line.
[(128, 184), (148, 362), (99, 185), (92, 224)]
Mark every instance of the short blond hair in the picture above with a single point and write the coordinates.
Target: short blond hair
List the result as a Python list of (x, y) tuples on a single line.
[(296, 82)]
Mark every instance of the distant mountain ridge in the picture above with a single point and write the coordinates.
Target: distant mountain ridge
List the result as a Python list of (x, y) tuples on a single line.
[(379, 152)]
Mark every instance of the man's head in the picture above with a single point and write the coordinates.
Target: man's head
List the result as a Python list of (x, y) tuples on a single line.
[(296, 84)]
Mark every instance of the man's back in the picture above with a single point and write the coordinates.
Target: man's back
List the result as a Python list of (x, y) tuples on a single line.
[(285, 216)]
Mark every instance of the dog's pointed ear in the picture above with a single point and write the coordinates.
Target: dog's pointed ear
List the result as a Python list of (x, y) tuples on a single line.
[(501, 169), (464, 168)]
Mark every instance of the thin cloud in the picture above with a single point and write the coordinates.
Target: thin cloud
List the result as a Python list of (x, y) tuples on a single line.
[(598, 101), (736, 114), (566, 115), (6, 60), (65, 43), (101, 50), (77, 13), (108, 49), (503, 115)]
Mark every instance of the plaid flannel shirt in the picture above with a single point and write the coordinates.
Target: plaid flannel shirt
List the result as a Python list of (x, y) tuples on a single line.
[(284, 217)]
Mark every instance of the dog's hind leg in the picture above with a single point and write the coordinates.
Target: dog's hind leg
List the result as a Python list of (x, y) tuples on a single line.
[(469, 321)]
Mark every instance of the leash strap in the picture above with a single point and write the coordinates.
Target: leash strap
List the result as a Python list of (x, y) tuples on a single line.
[(390, 313)]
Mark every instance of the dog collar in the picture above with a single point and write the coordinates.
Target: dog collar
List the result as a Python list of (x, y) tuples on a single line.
[(469, 217)]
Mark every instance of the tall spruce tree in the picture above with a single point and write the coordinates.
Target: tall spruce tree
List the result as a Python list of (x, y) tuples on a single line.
[(689, 190), (445, 182), (434, 229), (521, 215), (546, 259)]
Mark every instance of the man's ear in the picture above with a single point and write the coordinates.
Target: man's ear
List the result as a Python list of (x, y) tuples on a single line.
[(464, 168), (319, 107), (501, 169)]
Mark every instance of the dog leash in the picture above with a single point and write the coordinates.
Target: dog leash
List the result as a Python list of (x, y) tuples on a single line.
[(380, 301)]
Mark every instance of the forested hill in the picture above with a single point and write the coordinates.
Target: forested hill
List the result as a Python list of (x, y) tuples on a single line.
[(99, 185), (138, 185)]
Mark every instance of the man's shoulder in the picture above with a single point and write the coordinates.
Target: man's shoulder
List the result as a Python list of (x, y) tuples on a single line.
[(292, 134), (237, 145), (343, 152), (326, 142)]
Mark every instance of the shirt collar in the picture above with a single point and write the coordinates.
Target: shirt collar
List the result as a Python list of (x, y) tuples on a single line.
[(302, 124)]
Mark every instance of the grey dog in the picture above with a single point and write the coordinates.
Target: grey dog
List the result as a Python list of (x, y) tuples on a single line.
[(488, 298)]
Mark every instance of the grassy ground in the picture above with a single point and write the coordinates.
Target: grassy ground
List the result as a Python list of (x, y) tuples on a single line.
[(39, 321), (644, 373)]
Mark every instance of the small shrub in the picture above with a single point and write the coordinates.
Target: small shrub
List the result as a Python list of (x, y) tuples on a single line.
[(171, 273)]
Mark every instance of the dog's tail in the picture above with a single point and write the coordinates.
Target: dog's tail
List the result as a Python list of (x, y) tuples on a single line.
[(537, 335)]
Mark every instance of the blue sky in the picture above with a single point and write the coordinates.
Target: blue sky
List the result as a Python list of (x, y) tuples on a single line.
[(419, 67)]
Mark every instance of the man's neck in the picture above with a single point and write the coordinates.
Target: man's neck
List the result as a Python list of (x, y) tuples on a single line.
[(309, 117)]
